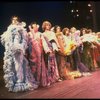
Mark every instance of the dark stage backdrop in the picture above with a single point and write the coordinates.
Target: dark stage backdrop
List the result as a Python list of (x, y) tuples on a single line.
[(57, 12)]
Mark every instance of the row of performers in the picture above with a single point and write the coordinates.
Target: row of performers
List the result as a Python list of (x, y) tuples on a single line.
[(33, 59)]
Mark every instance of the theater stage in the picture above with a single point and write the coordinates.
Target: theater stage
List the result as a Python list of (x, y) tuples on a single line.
[(84, 87)]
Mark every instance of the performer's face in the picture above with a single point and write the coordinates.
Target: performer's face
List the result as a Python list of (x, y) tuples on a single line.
[(48, 27), (35, 27), (15, 20), (73, 30), (58, 29), (67, 33), (98, 35), (83, 32)]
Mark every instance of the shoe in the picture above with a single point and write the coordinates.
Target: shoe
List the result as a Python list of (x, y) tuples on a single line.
[(35, 86), (89, 74), (84, 74), (48, 84), (59, 80)]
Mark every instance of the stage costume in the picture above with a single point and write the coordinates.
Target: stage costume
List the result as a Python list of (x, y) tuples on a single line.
[(50, 59), (78, 52), (87, 53), (17, 74), (37, 46), (65, 50), (95, 51)]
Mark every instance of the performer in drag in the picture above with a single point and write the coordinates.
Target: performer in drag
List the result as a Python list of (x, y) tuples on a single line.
[(37, 46), (17, 74), (50, 59)]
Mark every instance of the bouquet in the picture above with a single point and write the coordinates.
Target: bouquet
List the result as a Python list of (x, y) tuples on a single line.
[(70, 47)]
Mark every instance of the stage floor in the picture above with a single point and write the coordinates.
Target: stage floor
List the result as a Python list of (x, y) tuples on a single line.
[(84, 87)]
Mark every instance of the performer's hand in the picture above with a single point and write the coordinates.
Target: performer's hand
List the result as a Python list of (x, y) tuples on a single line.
[(48, 52), (29, 27), (59, 49)]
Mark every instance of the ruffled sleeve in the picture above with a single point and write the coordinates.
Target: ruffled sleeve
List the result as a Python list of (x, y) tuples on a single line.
[(45, 45)]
